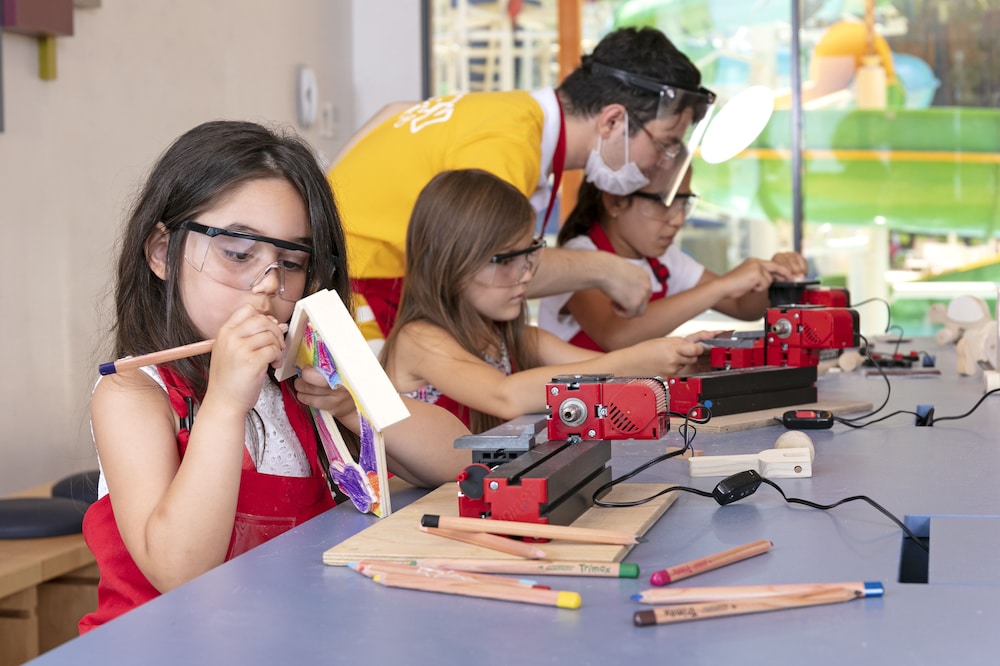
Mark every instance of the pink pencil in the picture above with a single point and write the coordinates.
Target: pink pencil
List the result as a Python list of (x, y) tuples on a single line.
[(710, 562)]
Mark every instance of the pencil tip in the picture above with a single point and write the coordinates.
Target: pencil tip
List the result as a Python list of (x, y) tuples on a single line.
[(429, 520), (644, 618), (107, 368), (659, 578), (636, 597)]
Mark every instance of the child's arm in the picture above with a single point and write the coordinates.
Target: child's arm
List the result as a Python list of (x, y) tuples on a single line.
[(740, 293), (625, 286), (425, 354), (176, 516), (419, 449)]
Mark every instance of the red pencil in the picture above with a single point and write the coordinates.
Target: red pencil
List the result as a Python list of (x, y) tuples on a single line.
[(715, 561)]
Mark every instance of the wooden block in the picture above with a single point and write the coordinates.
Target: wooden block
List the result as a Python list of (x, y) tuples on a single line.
[(398, 536)]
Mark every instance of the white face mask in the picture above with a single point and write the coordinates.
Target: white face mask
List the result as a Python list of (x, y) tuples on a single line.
[(623, 181)]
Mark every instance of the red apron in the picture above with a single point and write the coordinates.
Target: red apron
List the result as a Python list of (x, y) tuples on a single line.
[(267, 506), (603, 243)]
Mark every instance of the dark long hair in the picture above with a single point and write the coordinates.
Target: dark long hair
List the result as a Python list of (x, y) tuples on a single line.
[(460, 220), (193, 175)]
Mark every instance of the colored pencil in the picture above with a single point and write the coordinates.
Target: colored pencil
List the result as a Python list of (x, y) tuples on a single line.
[(164, 356), (536, 567), (371, 568), (687, 595), (491, 541), (713, 609), (534, 530), (701, 565), (518, 593)]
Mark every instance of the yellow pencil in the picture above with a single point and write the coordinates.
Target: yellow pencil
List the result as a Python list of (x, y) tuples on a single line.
[(520, 594), (372, 568)]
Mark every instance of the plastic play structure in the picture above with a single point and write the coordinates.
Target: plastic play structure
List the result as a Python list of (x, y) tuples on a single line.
[(926, 170), (874, 149)]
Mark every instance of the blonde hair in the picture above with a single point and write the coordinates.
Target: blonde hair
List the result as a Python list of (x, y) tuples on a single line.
[(460, 220)]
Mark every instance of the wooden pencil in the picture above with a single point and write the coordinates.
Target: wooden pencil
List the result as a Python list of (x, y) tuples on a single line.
[(535, 530), (536, 567), (709, 562), (521, 594), (371, 568), (154, 358), (491, 541), (686, 595), (714, 609)]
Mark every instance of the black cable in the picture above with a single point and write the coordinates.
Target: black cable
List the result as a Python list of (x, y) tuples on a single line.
[(864, 498), (687, 432), (888, 391), (888, 311)]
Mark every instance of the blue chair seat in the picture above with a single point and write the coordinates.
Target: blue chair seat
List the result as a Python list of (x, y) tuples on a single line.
[(81, 486), (35, 517)]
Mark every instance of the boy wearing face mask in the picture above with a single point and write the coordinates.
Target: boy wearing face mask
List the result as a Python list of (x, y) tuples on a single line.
[(624, 114)]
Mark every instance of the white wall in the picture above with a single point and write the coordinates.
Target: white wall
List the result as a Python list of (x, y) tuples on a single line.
[(133, 77), (386, 54)]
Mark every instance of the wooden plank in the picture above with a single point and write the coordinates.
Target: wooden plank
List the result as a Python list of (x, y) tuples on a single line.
[(765, 417), (19, 627), (398, 536)]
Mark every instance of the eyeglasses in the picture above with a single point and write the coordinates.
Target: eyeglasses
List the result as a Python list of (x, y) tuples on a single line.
[(666, 152), (242, 260), (507, 269), (683, 201)]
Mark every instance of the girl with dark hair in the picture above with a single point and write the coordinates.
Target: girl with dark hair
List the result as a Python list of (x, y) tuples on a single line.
[(641, 227), (462, 339), (205, 458)]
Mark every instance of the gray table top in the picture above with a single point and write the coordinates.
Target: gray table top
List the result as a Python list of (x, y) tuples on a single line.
[(280, 604)]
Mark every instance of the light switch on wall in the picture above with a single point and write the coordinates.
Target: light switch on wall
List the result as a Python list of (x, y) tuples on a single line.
[(307, 96)]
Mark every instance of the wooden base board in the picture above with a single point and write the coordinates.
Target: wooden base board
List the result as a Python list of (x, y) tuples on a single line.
[(398, 537), (765, 417)]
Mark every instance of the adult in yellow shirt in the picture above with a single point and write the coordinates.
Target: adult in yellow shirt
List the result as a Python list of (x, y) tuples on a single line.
[(624, 113)]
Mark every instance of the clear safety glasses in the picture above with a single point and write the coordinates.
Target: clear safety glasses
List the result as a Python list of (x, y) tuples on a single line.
[(676, 104), (508, 268), (242, 260), (682, 202)]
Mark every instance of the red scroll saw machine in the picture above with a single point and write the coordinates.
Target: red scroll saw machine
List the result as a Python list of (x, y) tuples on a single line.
[(546, 468)]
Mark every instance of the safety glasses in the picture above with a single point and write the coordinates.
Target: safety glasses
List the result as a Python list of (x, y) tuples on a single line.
[(683, 202), (507, 269), (242, 260)]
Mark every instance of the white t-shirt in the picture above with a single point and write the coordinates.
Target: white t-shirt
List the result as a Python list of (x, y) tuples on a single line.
[(277, 450), (685, 273)]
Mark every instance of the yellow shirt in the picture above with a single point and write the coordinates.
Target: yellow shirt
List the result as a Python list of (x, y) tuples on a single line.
[(377, 183)]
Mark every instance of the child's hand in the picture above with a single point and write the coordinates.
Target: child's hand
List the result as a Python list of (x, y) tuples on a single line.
[(314, 391), (793, 262), (245, 346), (753, 275), (671, 356)]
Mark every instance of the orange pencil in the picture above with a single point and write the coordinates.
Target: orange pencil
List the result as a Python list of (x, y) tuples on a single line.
[(703, 564), (164, 356), (713, 609), (491, 541)]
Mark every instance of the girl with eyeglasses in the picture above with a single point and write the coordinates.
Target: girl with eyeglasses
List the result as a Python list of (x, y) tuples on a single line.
[(204, 458), (461, 338), (642, 228)]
